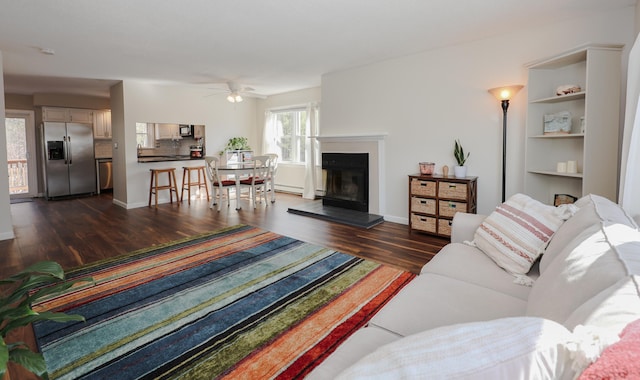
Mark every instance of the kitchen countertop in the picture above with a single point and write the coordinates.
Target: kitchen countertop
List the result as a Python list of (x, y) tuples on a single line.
[(167, 158)]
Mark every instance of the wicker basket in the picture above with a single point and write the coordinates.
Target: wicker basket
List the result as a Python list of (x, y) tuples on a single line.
[(449, 208), (423, 223), (425, 205), (452, 190), (420, 187), (444, 226)]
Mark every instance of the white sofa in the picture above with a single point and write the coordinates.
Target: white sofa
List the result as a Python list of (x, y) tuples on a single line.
[(466, 312)]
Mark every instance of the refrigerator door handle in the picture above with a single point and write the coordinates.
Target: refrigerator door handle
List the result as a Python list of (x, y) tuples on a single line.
[(69, 150), (65, 149)]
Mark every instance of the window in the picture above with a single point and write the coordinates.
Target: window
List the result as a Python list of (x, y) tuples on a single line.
[(291, 134), (144, 135)]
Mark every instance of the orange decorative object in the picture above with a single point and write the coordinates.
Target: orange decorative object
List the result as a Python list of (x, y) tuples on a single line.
[(426, 168)]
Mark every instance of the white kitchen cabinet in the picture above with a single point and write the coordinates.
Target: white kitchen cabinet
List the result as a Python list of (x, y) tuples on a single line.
[(75, 115), (102, 124), (54, 114), (166, 131), (198, 131), (81, 116), (592, 140)]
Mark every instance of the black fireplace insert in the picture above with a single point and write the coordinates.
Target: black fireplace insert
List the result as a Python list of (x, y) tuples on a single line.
[(347, 180)]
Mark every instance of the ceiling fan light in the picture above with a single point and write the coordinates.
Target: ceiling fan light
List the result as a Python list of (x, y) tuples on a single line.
[(234, 97)]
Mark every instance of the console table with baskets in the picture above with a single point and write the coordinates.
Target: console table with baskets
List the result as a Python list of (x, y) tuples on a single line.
[(434, 200)]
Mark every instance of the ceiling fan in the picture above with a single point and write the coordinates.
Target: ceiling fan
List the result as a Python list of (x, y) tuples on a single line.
[(236, 91)]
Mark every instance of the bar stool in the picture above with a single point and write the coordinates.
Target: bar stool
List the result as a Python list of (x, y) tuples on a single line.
[(154, 187), (187, 183)]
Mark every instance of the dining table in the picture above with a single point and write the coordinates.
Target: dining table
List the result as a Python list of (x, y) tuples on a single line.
[(239, 170)]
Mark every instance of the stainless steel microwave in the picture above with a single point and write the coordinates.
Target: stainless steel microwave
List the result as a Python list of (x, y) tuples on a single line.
[(186, 130)]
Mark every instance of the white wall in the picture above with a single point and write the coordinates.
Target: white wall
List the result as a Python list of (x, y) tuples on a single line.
[(637, 18), (630, 168), (290, 177), (143, 102), (6, 225), (425, 101)]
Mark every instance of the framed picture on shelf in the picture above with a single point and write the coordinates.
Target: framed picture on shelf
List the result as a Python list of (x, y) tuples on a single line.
[(563, 199), (557, 123)]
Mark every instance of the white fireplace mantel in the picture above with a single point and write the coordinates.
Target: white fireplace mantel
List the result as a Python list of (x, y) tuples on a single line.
[(372, 143), (367, 137)]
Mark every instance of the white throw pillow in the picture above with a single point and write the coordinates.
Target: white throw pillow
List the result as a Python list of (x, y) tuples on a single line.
[(507, 348), (517, 232)]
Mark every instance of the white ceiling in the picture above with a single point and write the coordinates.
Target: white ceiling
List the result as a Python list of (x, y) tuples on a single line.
[(273, 46)]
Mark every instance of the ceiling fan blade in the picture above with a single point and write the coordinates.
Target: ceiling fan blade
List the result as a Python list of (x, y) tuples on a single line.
[(252, 95)]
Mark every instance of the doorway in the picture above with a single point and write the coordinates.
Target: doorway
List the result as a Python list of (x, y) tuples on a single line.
[(21, 153)]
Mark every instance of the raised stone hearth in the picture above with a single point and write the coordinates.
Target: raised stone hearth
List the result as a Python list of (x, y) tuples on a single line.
[(336, 214), (373, 145)]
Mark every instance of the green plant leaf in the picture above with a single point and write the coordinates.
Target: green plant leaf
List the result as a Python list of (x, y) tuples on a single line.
[(458, 153), (57, 289), (46, 267), (4, 356), (30, 360), (35, 283), (16, 313), (37, 317)]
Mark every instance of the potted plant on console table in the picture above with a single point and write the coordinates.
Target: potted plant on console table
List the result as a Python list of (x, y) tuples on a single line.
[(460, 170)]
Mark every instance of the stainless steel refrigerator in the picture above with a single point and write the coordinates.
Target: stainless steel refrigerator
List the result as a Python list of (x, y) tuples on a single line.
[(69, 160)]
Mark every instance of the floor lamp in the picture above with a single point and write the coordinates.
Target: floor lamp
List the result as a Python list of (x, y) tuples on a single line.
[(504, 94)]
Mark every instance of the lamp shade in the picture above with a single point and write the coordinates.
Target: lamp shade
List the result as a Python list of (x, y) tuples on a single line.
[(506, 92)]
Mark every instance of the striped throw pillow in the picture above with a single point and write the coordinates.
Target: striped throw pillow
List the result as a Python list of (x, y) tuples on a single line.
[(517, 232)]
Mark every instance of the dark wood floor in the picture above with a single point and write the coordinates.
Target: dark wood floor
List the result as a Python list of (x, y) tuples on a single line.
[(78, 231)]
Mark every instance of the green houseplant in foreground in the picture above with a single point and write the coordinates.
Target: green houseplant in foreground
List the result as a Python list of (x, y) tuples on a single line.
[(17, 294), (458, 152)]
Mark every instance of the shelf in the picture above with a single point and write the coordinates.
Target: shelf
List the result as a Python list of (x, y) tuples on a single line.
[(561, 98), (596, 68), (545, 172), (567, 136)]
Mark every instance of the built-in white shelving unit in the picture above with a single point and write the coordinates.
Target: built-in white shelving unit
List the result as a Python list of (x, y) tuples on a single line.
[(596, 68)]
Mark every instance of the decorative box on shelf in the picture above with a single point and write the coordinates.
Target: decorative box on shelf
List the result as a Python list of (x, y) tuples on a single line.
[(435, 199)]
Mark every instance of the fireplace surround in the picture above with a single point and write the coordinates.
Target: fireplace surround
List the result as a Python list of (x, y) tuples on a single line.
[(371, 145)]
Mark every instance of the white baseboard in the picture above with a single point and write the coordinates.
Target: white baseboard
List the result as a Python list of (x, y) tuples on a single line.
[(396, 219), (7, 235)]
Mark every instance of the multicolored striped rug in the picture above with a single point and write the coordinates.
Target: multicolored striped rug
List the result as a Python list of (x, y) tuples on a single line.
[(236, 303)]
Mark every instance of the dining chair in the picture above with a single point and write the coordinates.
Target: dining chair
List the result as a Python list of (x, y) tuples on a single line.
[(273, 169), (218, 185), (257, 182)]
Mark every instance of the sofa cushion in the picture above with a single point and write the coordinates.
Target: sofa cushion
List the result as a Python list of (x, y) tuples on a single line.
[(432, 300), (510, 348), (605, 254), (357, 346), (611, 309), (620, 360), (516, 233), (593, 209), (469, 264)]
